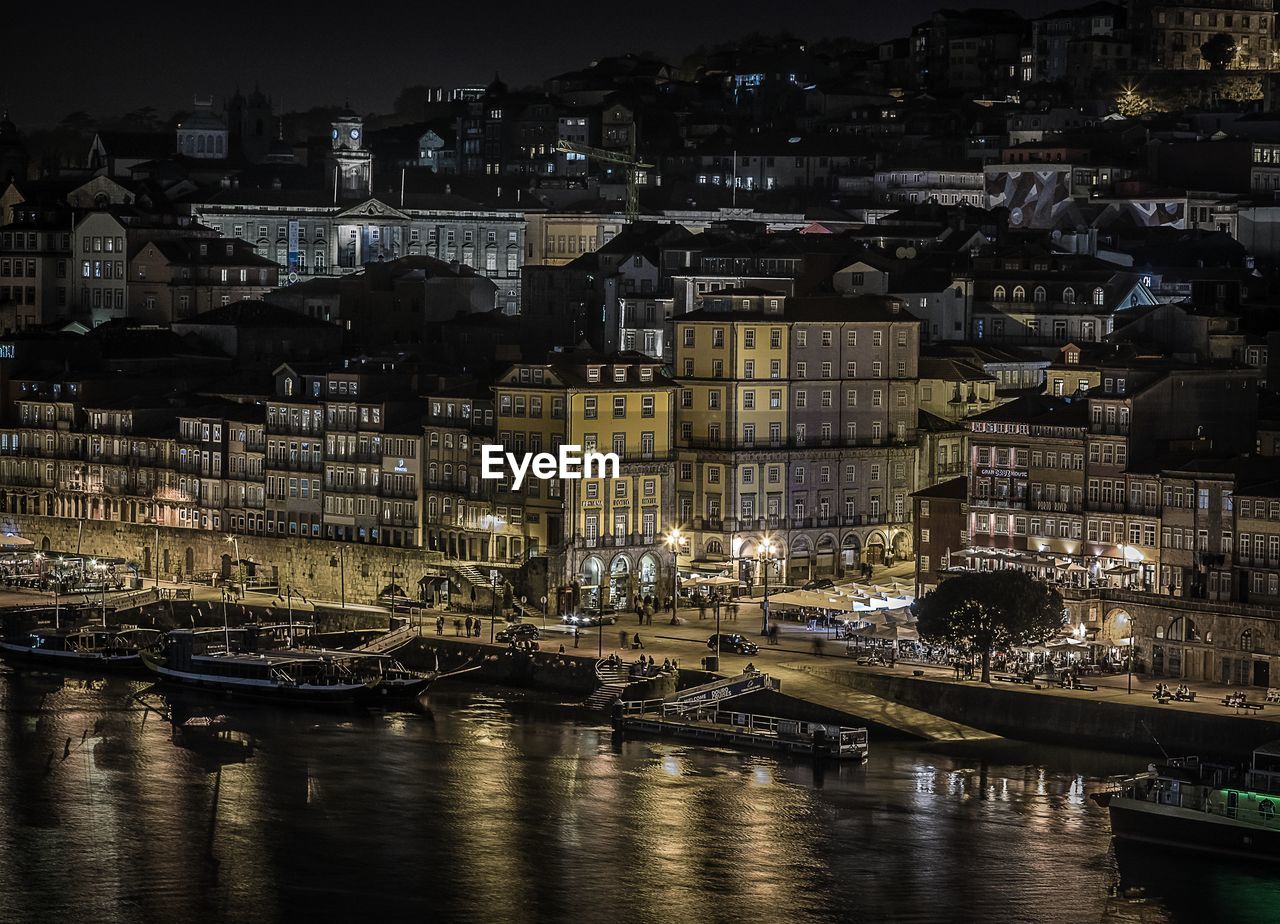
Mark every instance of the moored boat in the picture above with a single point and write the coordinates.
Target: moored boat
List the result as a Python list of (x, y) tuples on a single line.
[(91, 648), (1184, 806), (229, 662)]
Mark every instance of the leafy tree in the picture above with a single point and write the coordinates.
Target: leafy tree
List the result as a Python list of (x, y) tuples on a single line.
[(989, 610), (78, 121), (1218, 51), (411, 102), (144, 119)]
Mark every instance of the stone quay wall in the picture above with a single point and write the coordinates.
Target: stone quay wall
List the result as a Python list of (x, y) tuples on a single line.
[(1028, 716), (317, 567)]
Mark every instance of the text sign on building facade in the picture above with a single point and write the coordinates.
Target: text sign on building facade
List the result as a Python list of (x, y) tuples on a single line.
[(1001, 473)]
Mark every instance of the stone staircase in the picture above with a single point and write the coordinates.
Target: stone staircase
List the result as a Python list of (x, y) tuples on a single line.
[(614, 679)]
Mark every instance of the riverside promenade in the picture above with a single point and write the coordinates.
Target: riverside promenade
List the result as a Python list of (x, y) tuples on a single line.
[(922, 701)]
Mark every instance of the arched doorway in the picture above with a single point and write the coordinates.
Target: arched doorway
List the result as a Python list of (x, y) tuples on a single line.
[(648, 575), (850, 552), (589, 576), (875, 552), (900, 545), (225, 567), (190, 560), (146, 559), (620, 589), (45, 544), (800, 561), (825, 560), (1115, 637), (167, 568)]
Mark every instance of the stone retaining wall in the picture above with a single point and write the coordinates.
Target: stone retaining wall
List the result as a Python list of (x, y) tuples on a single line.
[(1133, 727)]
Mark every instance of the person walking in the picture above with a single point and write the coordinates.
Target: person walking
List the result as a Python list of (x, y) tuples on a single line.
[(468, 627), (457, 627), (439, 625), (575, 636)]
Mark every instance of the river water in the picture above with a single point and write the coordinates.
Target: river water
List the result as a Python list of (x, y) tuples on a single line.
[(493, 806)]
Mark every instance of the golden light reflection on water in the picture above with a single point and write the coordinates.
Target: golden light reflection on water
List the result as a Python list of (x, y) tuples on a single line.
[(504, 808)]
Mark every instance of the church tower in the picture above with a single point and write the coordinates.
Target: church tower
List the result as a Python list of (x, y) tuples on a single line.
[(350, 162)]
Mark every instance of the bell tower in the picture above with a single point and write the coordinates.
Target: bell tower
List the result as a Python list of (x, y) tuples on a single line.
[(350, 162)]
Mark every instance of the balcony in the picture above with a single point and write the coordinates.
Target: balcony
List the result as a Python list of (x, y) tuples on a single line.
[(999, 503), (283, 464), (1053, 506)]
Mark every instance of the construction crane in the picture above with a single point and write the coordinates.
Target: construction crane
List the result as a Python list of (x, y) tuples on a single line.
[(613, 157)]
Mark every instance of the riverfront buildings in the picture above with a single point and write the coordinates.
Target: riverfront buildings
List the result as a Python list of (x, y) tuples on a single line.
[(807, 292)]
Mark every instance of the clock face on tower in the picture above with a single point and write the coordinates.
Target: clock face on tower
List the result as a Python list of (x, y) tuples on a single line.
[(355, 134), (335, 134)]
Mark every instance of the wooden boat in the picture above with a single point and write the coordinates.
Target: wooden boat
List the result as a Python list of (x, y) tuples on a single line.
[(229, 662), (95, 649)]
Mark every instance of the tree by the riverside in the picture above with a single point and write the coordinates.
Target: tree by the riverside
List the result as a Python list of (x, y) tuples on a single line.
[(987, 611), (1218, 51)]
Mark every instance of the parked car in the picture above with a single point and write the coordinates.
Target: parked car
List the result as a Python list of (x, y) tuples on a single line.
[(520, 632), (738, 644)]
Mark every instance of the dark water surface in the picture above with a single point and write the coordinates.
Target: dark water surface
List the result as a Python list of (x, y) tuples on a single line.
[(497, 806)]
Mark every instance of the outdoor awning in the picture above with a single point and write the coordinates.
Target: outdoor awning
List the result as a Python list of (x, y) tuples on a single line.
[(12, 543), (702, 564)]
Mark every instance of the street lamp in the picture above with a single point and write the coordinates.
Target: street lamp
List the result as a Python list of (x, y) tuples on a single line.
[(766, 556), (235, 544), (673, 540), (340, 561), (226, 627)]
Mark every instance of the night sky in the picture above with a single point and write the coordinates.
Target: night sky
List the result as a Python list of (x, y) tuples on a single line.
[(159, 54)]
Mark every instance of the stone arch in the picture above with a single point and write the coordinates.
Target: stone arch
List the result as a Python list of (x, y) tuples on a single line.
[(189, 560), (648, 573), (877, 547), (620, 581), (850, 550), (900, 544), (714, 547), (225, 566), (1182, 629), (45, 544), (825, 556), (800, 559), (1116, 625), (590, 577)]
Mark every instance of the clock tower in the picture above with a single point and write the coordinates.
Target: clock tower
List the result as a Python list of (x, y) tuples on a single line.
[(350, 162)]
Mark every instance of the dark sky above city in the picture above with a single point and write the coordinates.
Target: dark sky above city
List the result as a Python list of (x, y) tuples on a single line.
[(306, 54)]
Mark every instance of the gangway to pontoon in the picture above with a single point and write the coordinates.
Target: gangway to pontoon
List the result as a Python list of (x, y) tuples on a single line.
[(708, 694)]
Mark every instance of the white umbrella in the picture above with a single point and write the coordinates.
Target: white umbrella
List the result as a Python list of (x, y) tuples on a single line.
[(15, 542)]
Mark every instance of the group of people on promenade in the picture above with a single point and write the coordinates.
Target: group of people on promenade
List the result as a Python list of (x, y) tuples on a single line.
[(468, 628)]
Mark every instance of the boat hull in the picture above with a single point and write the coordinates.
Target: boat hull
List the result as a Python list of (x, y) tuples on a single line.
[(1185, 829), (264, 690), (90, 662), (396, 691)]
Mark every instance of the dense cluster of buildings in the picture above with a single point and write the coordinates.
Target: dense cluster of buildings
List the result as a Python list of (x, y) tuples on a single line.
[(1000, 293)]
